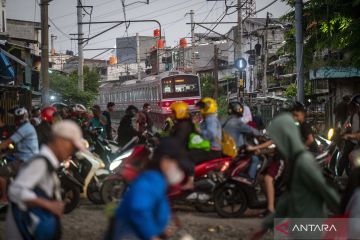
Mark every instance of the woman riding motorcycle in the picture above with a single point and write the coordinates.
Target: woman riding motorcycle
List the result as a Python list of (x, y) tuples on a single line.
[(239, 131)]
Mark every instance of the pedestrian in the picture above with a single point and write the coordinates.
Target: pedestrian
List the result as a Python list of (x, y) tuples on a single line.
[(341, 110), (97, 122), (144, 119), (128, 127), (144, 212), (36, 206), (107, 113), (306, 191)]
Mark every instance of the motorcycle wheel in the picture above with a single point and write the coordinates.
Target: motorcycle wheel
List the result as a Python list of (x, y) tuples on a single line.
[(112, 190), (70, 194), (230, 202), (93, 189)]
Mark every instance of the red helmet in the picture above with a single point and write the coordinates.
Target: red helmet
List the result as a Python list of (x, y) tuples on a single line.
[(47, 114)]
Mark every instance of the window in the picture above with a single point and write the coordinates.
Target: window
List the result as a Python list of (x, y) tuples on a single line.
[(180, 86)]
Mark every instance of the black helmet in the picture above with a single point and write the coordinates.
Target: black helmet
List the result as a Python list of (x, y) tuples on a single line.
[(356, 100), (131, 110), (236, 108)]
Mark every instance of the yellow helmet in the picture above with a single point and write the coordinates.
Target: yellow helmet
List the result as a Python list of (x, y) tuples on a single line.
[(207, 106), (180, 109)]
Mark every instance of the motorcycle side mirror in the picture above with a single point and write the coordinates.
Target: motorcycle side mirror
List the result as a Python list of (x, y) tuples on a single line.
[(256, 141)]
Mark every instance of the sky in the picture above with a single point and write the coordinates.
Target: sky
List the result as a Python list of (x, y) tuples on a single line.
[(170, 13)]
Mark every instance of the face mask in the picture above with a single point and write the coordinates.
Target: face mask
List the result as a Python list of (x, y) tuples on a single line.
[(174, 175)]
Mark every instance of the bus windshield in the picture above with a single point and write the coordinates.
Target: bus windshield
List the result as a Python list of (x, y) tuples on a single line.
[(180, 86)]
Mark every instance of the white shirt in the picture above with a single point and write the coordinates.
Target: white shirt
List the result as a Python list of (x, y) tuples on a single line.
[(34, 174), (247, 117)]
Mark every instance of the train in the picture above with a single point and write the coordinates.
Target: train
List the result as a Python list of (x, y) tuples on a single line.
[(160, 91)]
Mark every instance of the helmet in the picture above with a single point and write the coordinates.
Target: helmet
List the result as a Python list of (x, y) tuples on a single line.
[(356, 100), (207, 106), (236, 108), (20, 112), (47, 114), (180, 109)]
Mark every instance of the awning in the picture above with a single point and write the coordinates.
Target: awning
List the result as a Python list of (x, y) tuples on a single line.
[(16, 59)]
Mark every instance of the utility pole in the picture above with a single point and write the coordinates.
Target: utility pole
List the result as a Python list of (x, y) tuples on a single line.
[(216, 71), (53, 38), (299, 51), (192, 41), (80, 47), (138, 56), (45, 51), (238, 45), (264, 82)]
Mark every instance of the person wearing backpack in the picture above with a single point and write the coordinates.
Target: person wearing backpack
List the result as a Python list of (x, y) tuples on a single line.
[(35, 199), (238, 130), (210, 130)]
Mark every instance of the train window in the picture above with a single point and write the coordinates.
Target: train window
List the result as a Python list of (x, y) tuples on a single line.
[(180, 86)]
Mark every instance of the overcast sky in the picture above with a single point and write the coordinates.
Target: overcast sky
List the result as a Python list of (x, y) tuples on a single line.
[(170, 13)]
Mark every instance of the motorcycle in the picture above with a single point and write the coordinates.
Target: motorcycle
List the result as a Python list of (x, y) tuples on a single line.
[(238, 193), (129, 164)]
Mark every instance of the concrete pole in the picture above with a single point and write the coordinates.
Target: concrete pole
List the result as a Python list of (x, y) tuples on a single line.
[(192, 41), (80, 47), (216, 72), (264, 82), (299, 51), (45, 51), (138, 56)]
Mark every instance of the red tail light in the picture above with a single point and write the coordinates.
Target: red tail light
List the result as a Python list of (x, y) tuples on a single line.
[(225, 167)]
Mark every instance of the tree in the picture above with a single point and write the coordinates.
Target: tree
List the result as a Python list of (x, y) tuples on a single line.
[(208, 90), (330, 26), (67, 87), (291, 90)]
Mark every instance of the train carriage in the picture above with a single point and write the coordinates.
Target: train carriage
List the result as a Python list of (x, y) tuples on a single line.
[(158, 90)]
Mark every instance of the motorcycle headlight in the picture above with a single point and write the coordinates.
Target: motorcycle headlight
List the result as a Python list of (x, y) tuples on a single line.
[(330, 134), (117, 161)]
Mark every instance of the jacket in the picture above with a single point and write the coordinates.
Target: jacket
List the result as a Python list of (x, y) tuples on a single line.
[(307, 191), (144, 211), (182, 130), (238, 130), (126, 130), (210, 129)]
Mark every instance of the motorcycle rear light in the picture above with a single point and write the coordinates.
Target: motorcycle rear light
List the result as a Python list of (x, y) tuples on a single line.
[(225, 167)]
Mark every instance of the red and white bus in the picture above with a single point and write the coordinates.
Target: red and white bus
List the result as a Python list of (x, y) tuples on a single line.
[(160, 91)]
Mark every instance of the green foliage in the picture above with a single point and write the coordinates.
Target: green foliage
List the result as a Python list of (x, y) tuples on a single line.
[(67, 86), (291, 90), (331, 25)]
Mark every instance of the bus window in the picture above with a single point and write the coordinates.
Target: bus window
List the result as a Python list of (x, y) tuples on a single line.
[(180, 86)]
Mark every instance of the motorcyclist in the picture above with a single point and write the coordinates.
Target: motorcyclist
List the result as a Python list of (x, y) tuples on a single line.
[(354, 137), (239, 131), (25, 140), (128, 127), (44, 128), (351, 140), (35, 116), (5, 130), (183, 127), (209, 129), (97, 121), (307, 135)]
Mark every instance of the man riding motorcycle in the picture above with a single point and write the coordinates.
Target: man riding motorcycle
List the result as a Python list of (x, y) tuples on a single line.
[(181, 130), (26, 144), (239, 131), (44, 128)]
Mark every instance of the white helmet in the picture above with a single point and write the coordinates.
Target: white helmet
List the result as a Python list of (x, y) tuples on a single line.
[(21, 111)]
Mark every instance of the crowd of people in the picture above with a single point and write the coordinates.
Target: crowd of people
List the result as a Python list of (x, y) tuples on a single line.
[(48, 136)]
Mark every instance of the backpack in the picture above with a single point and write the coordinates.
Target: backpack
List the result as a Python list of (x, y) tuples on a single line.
[(37, 223), (197, 142), (228, 143)]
